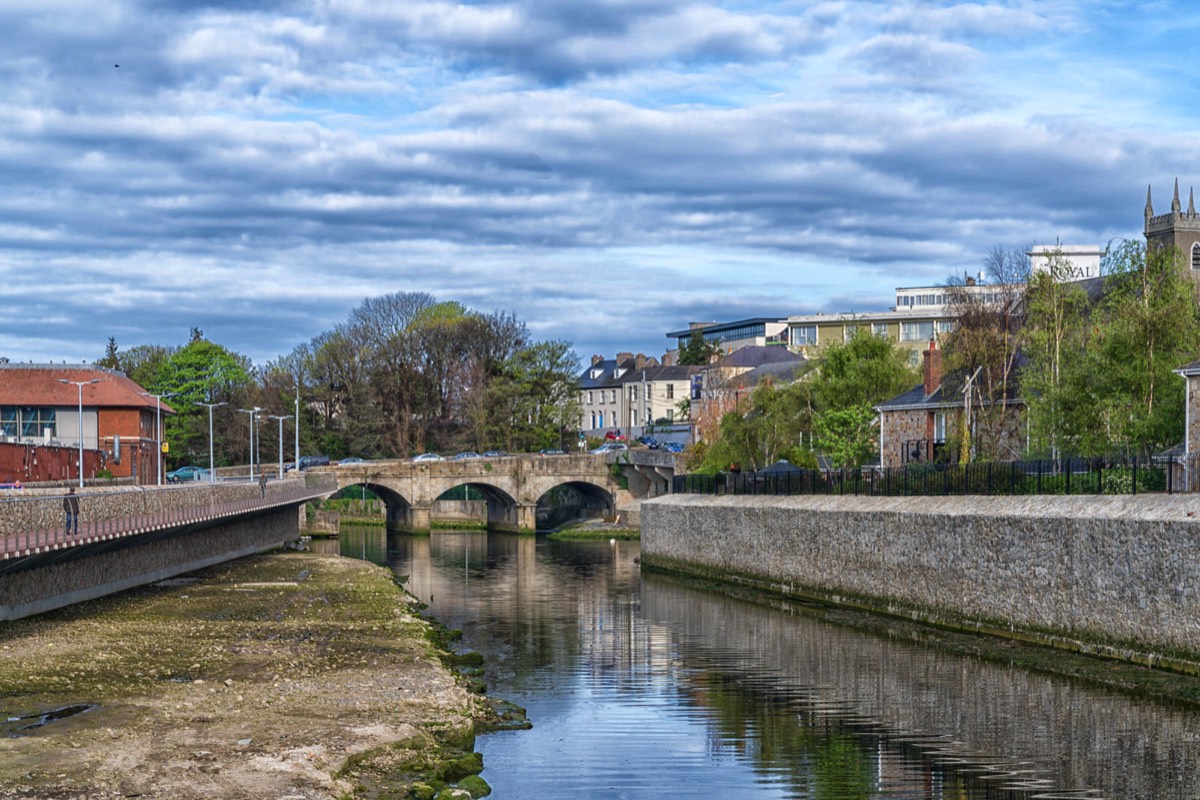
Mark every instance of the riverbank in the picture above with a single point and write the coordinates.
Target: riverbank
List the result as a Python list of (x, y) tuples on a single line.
[(284, 675)]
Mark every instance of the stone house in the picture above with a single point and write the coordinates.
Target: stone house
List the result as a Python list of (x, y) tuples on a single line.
[(924, 423)]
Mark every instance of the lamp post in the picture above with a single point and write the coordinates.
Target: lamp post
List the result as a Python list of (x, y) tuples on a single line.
[(253, 412), (281, 419), (297, 431), (158, 425), (212, 476), (80, 385)]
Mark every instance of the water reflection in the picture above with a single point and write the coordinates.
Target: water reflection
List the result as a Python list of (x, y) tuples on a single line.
[(643, 687)]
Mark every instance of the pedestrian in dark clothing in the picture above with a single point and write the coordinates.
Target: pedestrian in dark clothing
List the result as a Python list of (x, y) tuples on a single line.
[(71, 507), (262, 484)]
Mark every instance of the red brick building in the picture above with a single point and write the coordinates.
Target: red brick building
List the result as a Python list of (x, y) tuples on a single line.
[(41, 427)]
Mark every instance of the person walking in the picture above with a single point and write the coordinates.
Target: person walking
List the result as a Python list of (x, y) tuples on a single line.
[(262, 484), (71, 507)]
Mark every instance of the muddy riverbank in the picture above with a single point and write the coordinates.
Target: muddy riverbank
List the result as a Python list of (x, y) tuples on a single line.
[(288, 675)]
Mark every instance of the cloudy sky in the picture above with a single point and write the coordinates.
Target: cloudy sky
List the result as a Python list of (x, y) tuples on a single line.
[(608, 170)]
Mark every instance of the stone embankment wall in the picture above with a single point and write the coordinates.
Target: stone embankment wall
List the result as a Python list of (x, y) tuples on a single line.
[(1118, 576), (42, 509)]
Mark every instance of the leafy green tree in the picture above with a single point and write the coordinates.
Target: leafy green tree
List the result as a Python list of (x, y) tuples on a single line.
[(848, 381), (1057, 383), (769, 426), (1151, 326), (200, 372), (532, 403)]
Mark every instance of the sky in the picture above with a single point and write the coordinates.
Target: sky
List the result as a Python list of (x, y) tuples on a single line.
[(607, 170)]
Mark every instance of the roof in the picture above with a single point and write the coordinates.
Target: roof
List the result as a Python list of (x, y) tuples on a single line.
[(40, 385), (758, 355), (780, 372), (948, 394), (716, 327)]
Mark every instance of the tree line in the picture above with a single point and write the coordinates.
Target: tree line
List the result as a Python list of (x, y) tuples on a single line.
[(404, 374)]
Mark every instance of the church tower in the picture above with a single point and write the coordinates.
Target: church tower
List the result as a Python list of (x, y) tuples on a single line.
[(1179, 229)]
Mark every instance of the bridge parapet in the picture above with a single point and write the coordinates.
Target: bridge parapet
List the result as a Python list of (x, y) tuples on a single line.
[(42, 510)]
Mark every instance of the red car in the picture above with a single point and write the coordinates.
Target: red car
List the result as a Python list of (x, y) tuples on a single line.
[(614, 436)]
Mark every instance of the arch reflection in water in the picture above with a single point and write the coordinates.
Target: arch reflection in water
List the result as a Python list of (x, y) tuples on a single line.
[(645, 687)]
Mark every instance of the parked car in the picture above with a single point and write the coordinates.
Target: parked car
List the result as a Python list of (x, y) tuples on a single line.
[(466, 455), (649, 441), (308, 461), (672, 447), (184, 474), (614, 435), (427, 457), (609, 447), (351, 460), (552, 451), (495, 454)]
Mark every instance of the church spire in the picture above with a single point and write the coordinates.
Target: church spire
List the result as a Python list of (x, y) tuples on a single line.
[(1149, 205), (1191, 202), (1175, 206)]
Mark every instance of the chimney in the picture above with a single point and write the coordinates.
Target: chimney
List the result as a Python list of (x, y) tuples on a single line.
[(597, 359), (623, 357), (668, 359), (639, 361), (933, 368), (970, 281)]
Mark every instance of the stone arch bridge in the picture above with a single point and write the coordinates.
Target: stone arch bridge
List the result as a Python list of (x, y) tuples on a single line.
[(511, 485)]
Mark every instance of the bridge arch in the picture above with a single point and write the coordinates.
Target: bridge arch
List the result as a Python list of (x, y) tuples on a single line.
[(572, 499), (503, 510)]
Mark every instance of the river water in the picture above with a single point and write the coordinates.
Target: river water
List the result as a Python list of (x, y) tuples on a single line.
[(639, 686)]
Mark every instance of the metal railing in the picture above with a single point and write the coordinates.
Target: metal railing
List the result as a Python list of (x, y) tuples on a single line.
[(98, 526), (1112, 476)]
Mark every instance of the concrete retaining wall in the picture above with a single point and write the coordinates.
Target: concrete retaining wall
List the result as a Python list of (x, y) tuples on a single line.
[(60, 583), (1113, 575)]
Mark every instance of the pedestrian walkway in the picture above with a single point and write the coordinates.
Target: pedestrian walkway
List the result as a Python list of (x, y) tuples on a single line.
[(28, 543)]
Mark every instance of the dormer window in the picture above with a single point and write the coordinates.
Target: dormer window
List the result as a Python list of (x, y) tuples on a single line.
[(596, 373)]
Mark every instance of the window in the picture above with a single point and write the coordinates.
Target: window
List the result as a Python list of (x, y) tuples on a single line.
[(848, 331), (590, 399), (879, 329), (945, 325), (613, 392), (804, 335), (1196, 256), (670, 391), (916, 331), (939, 427), (633, 394), (28, 422)]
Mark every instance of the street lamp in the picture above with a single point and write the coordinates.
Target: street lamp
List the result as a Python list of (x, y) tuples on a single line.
[(212, 476), (80, 385), (253, 412), (281, 419), (297, 430), (158, 424)]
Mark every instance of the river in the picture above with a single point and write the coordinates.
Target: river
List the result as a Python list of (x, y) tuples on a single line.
[(639, 686)]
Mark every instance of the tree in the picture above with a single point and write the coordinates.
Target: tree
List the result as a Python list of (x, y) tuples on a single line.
[(1151, 325), (200, 372), (697, 351), (985, 345), (769, 428), (111, 359), (848, 381), (1055, 382)]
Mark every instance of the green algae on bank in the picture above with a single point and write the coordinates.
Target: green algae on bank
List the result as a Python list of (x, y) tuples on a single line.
[(287, 672)]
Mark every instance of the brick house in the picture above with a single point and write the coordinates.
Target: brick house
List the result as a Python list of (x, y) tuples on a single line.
[(40, 412), (923, 424)]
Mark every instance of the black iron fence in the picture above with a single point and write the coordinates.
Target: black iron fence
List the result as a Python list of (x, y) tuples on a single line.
[(1059, 476)]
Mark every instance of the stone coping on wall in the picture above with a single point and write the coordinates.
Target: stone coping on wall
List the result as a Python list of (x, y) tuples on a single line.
[(1182, 507)]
